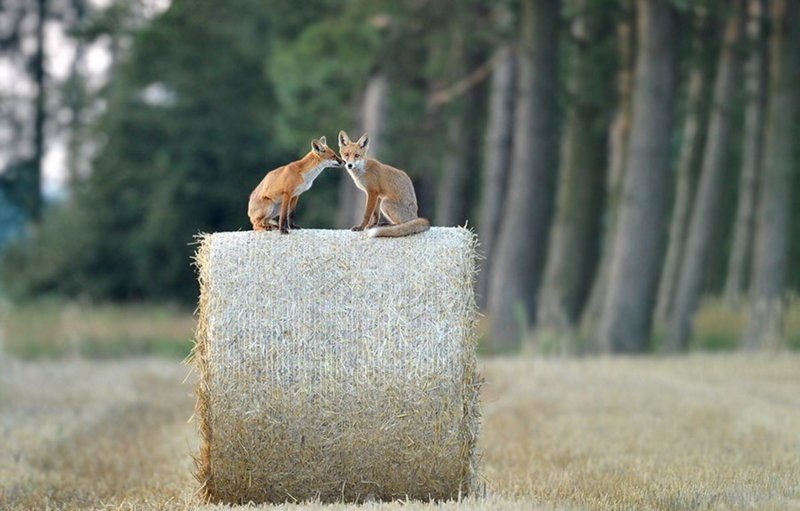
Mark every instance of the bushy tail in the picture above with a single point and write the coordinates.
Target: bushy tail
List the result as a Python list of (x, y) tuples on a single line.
[(395, 231)]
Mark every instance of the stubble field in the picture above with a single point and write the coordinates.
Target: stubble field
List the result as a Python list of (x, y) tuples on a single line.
[(698, 432)]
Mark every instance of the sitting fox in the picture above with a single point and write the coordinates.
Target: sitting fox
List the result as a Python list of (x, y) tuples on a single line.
[(389, 191), (278, 192)]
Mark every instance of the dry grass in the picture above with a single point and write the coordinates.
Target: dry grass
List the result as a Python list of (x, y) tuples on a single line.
[(56, 329), (703, 432)]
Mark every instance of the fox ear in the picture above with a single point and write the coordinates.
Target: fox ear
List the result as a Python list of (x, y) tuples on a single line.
[(318, 145), (343, 138), (323, 141), (363, 142)]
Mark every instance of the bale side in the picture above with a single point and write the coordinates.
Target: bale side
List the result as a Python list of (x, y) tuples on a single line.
[(336, 367), (199, 361)]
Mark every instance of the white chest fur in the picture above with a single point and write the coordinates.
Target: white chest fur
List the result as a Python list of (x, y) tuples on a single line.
[(357, 174), (308, 179)]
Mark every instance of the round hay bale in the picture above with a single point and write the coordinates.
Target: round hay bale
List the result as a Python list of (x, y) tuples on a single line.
[(336, 367)]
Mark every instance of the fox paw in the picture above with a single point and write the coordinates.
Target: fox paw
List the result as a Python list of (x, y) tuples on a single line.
[(357, 228)]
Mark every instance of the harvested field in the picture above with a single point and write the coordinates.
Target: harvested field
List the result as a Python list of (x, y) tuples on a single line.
[(702, 432)]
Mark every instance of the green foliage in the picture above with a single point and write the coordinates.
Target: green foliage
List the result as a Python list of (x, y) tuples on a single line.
[(187, 133), (315, 78)]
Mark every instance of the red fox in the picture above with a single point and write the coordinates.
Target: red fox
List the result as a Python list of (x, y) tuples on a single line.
[(389, 191), (277, 194)]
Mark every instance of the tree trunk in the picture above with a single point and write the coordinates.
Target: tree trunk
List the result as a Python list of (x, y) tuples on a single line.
[(638, 242), (619, 133), (497, 156), (771, 258), (712, 176), (689, 161), (373, 121), (574, 241), (33, 178), (755, 87), (452, 204), (523, 234), (76, 100)]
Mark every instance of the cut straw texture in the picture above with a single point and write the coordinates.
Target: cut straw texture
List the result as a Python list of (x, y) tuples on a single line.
[(336, 367)]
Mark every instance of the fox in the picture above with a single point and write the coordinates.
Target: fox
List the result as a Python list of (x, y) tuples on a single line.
[(277, 194), (389, 191)]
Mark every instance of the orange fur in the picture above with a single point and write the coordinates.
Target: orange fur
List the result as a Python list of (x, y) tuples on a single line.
[(277, 194)]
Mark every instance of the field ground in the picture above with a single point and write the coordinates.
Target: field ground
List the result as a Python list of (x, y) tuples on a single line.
[(697, 432)]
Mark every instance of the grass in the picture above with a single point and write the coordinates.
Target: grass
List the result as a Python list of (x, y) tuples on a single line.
[(719, 325), (697, 432), (55, 329)]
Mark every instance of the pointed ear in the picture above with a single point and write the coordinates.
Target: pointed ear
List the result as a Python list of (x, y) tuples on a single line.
[(317, 146), (323, 141), (363, 142), (343, 139)]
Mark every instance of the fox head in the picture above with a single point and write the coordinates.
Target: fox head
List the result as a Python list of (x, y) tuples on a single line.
[(325, 153), (353, 153)]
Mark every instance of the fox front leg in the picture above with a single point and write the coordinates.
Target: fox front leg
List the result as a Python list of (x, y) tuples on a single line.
[(283, 220), (292, 208), (372, 199), (376, 215)]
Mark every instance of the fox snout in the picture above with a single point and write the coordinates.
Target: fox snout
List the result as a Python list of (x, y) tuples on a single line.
[(350, 165)]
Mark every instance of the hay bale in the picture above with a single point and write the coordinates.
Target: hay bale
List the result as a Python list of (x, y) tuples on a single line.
[(336, 367)]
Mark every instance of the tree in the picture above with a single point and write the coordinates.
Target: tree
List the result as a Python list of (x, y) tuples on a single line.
[(755, 70), (638, 242), (574, 240), (770, 267), (34, 181), (177, 159), (27, 123), (496, 159), (453, 195), (712, 176), (688, 165), (618, 135), (521, 245)]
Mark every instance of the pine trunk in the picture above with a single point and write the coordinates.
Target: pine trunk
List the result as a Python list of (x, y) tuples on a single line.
[(33, 179), (497, 156), (639, 234), (705, 211), (755, 86), (518, 264), (771, 258), (574, 241), (619, 133), (689, 161), (452, 204)]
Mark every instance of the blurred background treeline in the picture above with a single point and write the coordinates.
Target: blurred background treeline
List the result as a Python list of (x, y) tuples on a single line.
[(629, 165)]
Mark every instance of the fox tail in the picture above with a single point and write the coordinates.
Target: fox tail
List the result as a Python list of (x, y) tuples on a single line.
[(405, 229)]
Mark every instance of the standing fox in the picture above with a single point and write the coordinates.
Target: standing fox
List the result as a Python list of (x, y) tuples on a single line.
[(277, 194), (389, 191)]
